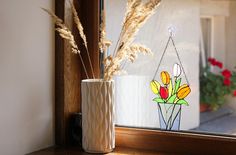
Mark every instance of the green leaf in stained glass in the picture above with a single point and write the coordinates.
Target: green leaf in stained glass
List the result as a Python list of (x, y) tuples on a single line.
[(172, 99), (177, 85), (158, 100), (183, 102)]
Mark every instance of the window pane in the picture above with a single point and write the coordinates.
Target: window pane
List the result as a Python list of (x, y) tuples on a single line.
[(199, 28)]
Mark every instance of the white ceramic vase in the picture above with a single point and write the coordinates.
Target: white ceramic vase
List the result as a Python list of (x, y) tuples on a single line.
[(98, 127)]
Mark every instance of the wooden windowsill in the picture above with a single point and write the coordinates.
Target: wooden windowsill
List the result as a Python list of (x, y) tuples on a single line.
[(143, 141), (78, 151)]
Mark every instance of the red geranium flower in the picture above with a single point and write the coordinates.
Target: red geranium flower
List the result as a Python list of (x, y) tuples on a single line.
[(234, 93), (226, 73), (219, 64), (164, 93), (213, 62), (210, 59), (227, 82)]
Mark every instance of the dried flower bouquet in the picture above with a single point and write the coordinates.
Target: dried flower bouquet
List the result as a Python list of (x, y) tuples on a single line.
[(137, 13)]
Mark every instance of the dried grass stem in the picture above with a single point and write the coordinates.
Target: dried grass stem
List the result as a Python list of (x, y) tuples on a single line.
[(82, 35), (66, 34)]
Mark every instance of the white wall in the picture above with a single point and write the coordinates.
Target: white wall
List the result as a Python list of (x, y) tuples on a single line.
[(218, 40), (26, 76), (231, 37), (230, 45), (218, 12), (184, 15), (214, 7)]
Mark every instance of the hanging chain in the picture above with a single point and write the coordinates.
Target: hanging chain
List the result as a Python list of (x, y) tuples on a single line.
[(178, 56), (177, 53), (162, 56)]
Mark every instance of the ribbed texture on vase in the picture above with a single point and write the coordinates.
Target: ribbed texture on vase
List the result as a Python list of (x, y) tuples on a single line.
[(98, 116)]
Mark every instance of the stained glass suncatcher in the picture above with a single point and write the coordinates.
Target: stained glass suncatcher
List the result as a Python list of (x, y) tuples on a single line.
[(170, 93)]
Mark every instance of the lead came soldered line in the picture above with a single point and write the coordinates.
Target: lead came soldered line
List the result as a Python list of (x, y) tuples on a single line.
[(161, 58)]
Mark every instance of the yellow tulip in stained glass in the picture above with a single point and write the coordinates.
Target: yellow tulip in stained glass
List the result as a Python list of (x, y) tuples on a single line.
[(165, 77), (183, 86), (183, 91), (155, 86)]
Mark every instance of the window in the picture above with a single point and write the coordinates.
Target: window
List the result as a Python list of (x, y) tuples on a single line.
[(68, 96)]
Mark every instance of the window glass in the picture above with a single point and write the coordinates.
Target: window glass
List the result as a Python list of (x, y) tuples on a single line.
[(203, 33)]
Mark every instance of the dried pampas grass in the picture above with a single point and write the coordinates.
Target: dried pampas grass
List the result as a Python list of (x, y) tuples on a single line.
[(104, 43), (137, 13), (81, 32), (57, 20), (66, 34), (79, 25), (133, 50)]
